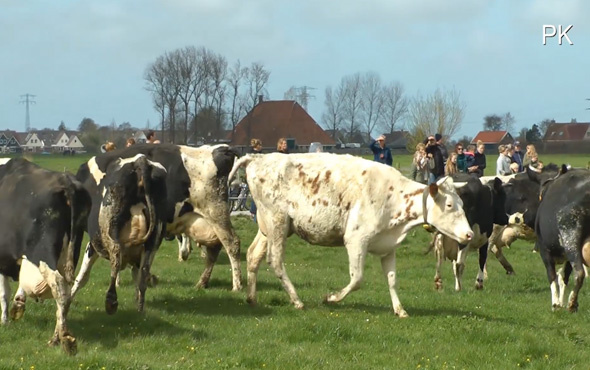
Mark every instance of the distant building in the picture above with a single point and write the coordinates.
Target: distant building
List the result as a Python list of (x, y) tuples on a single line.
[(52, 141), (271, 120), (567, 138), (491, 139)]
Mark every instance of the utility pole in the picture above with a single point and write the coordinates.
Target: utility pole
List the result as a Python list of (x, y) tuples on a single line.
[(28, 99), (300, 94)]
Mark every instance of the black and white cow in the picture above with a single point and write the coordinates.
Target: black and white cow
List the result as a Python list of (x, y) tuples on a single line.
[(196, 194), (562, 225), (43, 220), (484, 207), (126, 223)]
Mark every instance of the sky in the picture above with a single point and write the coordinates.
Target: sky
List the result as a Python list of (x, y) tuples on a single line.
[(87, 58)]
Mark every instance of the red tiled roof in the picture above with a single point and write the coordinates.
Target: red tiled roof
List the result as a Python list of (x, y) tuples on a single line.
[(490, 137), (566, 131), (271, 120)]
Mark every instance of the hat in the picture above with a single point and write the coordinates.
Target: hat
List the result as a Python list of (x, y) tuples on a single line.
[(437, 137), (517, 143)]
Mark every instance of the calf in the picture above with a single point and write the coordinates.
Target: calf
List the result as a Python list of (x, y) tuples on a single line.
[(336, 200), (196, 188), (484, 207), (126, 224), (42, 229), (562, 225)]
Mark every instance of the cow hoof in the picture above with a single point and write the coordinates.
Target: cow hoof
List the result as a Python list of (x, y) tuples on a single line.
[(511, 272), (17, 311), (555, 307), (479, 285), (299, 305), (402, 314), (68, 343), (111, 307), (202, 285), (251, 301), (438, 284), (573, 308)]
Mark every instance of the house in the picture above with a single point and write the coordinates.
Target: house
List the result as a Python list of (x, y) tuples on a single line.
[(491, 139), (567, 138), (139, 137), (397, 139), (50, 140), (10, 142), (60, 144), (271, 120), (33, 143), (74, 144)]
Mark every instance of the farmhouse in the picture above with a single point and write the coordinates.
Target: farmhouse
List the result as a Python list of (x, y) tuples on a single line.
[(491, 139), (271, 120), (567, 138)]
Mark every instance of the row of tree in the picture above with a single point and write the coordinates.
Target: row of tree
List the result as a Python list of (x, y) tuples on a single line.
[(197, 94)]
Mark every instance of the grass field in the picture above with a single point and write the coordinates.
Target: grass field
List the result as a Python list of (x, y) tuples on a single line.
[(507, 325)]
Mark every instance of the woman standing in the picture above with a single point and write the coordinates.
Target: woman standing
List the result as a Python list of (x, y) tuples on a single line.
[(479, 163), (461, 158), (282, 146), (255, 146), (451, 166), (531, 153), (503, 162)]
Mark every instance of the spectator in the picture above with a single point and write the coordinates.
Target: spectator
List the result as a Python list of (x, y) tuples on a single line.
[(451, 166), (517, 156), (255, 146), (151, 137), (381, 153), (530, 153), (513, 167), (130, 142), (441, 145), (469, 156), (503, 161), (461, 159), (433, 151), (422, 164), (282, 146), (479, 163)]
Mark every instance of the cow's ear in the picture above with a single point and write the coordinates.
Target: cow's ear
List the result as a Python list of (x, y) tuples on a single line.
[(497, 184), (562, 170), (532, 174), (433, 189)]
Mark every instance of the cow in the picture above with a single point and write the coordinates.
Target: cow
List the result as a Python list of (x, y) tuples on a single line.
[(483, 206), (42, 229), (126, 223), (341, 200), (196, 191), (562, 225)]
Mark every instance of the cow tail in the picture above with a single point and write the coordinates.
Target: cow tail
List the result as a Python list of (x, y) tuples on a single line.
[(70, 266), (144, 167), (242, 162)]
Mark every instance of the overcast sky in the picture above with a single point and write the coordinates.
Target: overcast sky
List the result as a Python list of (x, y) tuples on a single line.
[(87, 58)]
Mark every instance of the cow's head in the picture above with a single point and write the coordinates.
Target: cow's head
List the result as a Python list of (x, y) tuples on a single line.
[(443, 209)]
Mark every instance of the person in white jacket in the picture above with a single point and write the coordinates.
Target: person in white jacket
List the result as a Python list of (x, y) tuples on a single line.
[(503, 162)]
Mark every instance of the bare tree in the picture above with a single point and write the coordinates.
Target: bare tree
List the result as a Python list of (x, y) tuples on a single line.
[(188, 64), (395, 105), (353, 102), (155, 77), (441, 112), (234, 79), (372, 98), (334, 103), (508, 121), (218, 73), (256, 79)]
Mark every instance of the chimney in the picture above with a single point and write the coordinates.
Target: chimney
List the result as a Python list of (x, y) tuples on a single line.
[(260, 99)]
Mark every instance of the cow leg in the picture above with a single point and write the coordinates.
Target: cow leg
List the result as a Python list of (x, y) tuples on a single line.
[(90, 256), (4, 294), (563, 276), (483, 257), (211, 254), (184, 247), (503, 261), (17, 311), (439, 253), (356, 264), (256, 253), (459, 266), (388, 264), (549, 263), (60, 290), (144, 274), (111, 303), (231, 243)]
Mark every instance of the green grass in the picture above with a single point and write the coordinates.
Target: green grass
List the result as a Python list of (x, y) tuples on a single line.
[(507, 325)]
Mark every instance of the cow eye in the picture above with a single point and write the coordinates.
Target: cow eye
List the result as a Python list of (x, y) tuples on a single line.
[(449, 205)]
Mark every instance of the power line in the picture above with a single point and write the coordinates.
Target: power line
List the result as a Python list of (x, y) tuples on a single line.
[(27, 100), (300, 95)]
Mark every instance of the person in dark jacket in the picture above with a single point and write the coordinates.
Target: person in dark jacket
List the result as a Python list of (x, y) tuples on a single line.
[(518, 156), (479, 163), (461, 158), (433, 151), (381, 153), (441, 145)]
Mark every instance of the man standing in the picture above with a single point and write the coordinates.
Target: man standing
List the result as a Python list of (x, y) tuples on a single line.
[(441, 146), (433, 151), (381, 153), (517, 156)]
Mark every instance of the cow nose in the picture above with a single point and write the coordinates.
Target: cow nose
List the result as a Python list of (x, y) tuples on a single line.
[(469, 235), (517, 220)]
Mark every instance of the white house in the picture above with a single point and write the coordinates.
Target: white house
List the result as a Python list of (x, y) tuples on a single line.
[(33, 143), (140, 137), (61, 142), (74, 143)]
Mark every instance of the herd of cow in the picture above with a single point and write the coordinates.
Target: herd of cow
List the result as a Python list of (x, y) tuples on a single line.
[(128, 200)]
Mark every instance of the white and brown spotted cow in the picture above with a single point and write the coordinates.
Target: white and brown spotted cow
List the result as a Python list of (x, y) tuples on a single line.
[(337, 200)]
